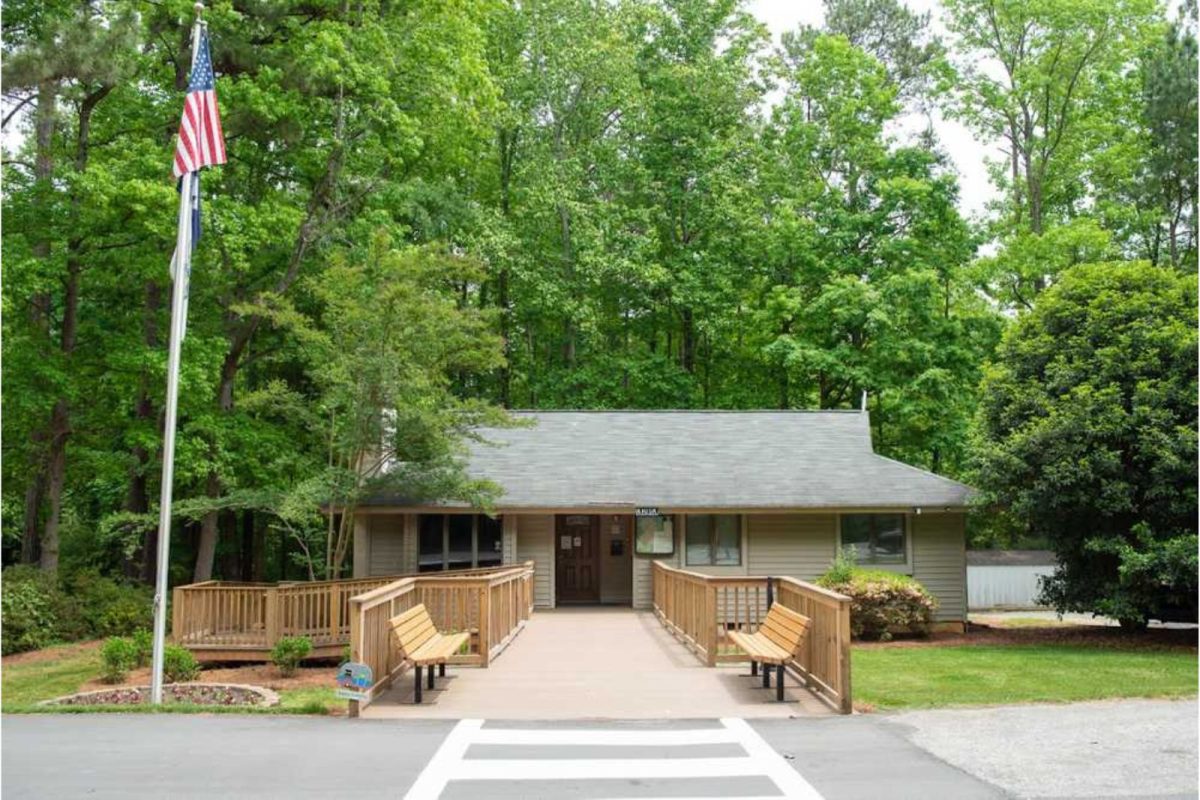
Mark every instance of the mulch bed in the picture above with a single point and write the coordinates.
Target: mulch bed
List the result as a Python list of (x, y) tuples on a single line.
[(254, 674), (1082, 635), (202, 694)]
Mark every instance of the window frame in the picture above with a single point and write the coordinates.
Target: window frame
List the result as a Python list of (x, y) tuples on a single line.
[(895, 566), (476, 529), (740, 526)]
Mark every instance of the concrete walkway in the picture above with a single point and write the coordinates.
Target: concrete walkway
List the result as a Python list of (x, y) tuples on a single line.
[(596, 663)]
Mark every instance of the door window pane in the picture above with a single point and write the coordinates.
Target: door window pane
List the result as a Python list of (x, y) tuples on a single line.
[(459, 555), (430, 555), (491, 540)]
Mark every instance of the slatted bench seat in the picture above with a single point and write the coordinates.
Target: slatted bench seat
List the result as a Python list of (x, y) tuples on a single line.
[(775, 642), (422, 644)]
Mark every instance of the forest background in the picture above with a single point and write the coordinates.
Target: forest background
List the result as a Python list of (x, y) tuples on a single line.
[(449, 209)]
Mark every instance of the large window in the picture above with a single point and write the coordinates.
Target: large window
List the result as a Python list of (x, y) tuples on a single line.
[(875, 538), (458, 541), (714, 540)]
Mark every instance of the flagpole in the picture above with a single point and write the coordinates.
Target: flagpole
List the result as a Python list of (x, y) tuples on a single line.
[(182, 263)]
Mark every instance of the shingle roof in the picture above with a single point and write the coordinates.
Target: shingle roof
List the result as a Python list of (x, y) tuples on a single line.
[(702, 459)]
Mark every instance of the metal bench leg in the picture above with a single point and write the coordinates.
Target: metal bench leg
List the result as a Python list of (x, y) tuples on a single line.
[(779, 684), (766, 671), (429, 678), (441, 670), (417, 691), (753, 668)]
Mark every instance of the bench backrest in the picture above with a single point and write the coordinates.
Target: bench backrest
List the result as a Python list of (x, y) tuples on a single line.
[(413, 628), (784, 627)]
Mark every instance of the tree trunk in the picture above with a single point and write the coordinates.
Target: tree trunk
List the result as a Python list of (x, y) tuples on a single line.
[(687, 344), (206, 548), (39, 311), (33, 509), (248, 550)]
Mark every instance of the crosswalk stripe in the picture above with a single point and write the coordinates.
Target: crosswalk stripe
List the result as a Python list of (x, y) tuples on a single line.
[(776, 767), (532, 769), (549, 737), (761, 761)]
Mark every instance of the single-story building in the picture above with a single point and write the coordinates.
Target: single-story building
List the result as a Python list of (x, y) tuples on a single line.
[(594, 497)]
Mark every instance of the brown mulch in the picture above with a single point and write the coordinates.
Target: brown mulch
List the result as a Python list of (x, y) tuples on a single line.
[(52, 653), (253, 674), (1086, 635)]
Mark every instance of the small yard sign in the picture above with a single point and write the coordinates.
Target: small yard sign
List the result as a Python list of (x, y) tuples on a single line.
[(354, 681)]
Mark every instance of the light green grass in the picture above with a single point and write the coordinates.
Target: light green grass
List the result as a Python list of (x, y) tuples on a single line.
[(932, 677), (24, 685)]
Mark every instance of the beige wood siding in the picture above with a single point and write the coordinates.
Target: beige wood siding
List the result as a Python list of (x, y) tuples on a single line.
[(535, 542), (362, 546), (798, 546), (643, 574), (940, 561), (508, 541), (386, 550)]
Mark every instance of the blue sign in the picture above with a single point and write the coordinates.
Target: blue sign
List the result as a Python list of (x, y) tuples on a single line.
[(354, 681)]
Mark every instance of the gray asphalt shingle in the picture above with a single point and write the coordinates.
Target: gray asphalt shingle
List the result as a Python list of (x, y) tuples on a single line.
[(702, 459)]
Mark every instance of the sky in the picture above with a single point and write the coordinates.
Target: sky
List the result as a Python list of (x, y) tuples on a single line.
[(963, 147)]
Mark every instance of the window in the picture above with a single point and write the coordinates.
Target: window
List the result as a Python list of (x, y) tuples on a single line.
[(714, 540), (875, 538), (654, 536), (458, 541)]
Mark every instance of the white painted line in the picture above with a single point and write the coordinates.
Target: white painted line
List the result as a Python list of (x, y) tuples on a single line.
[(531, 769), (771, 763), (705, 797), (432, 780), (599, 737)]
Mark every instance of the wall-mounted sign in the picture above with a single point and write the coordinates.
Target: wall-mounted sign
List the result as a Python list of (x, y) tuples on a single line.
[(648, 511), (354, 681), (564, 542), (655, 536)]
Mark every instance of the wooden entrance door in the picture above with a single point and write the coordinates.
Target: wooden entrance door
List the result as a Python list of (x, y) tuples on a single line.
[(577, 563)]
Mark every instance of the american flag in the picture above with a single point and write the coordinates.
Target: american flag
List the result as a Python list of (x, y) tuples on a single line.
[(201, 143)]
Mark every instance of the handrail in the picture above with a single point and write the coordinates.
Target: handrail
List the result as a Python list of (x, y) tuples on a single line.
[(492, 607), (702, 609), (244, 620)]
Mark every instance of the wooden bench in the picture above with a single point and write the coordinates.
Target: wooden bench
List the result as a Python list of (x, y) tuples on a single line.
[(775, 642), (422, 644)]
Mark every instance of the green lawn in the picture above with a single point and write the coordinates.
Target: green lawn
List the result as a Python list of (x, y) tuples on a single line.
[(24, 684), (930, 677)]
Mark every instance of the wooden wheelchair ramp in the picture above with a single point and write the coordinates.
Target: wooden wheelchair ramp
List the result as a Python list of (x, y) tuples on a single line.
[(596, 663)]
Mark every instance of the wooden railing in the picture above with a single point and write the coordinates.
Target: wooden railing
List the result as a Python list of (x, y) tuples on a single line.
[(237, 620), (492, 606), (702, 609)]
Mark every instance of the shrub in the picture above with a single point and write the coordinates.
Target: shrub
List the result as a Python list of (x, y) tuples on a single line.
[(119, 655), (27, 601), (143, 642), (289, 652), (101, 606), (179, 664), (881, 601)]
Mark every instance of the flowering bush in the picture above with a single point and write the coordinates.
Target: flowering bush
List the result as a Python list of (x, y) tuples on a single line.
[(881, 601)]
